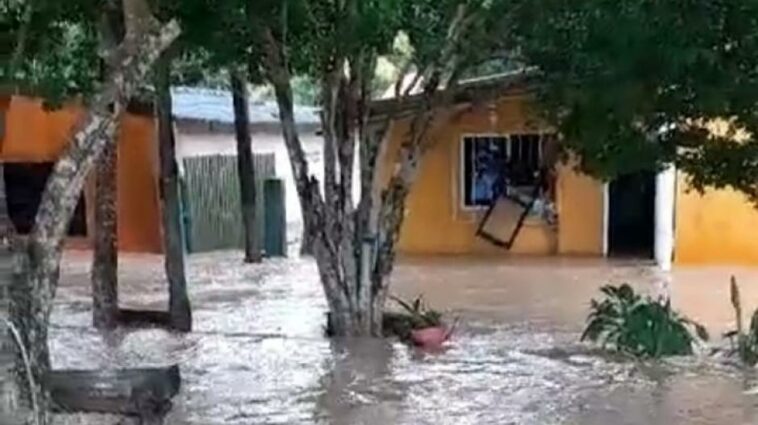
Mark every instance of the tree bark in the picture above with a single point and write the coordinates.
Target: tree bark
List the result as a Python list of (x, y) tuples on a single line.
[(105, 264), (104, 278), (333, 238), (27, 313), (173, 232), (307, 239), (355, 249), (245, 165), (38, 261)]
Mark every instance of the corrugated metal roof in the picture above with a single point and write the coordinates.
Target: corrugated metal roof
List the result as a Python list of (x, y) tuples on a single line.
[(209, 105)]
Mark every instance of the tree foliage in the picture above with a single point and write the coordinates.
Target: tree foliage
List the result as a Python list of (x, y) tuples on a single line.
[(215, 34), (635, 83), (51, 46)]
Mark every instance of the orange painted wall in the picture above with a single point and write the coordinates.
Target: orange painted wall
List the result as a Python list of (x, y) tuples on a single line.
[(139, 220), (720, 226), (35, 135)]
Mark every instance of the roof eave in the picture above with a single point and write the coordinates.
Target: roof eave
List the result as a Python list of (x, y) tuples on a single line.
[(470, 91)]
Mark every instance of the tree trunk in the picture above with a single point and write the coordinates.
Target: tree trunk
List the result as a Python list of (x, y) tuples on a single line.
[(354, 310), (245, 165), (306, 239), (105, 264), (28, 314), (38, 261), (104, 278), (173, 232), (354, 249), (330, 223)]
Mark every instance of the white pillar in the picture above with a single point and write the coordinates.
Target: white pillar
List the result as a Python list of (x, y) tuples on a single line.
[(665, 195), (606, 216)]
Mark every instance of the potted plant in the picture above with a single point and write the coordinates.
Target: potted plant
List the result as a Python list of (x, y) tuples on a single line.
[(418, 324)]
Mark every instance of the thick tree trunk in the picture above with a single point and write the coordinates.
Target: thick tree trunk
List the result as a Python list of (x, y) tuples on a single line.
[(245, 165), (38, 260), (307, 239), (105, 264), (28, 314), (173, 233)]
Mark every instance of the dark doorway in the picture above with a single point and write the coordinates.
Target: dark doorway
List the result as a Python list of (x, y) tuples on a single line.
[(24, 183), (631, 216)]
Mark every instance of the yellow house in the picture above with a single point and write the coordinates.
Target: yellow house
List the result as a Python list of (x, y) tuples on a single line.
[(457, 206)]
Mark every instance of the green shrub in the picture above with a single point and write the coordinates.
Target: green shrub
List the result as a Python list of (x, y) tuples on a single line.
[(643, 327), (746, 347)]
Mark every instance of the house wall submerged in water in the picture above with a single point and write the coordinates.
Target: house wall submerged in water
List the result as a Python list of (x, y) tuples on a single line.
[(442, 217), (438, 219), (33, 135), (33, 138)]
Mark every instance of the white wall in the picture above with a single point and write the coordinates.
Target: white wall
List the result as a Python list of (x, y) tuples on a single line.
[(201, 144)]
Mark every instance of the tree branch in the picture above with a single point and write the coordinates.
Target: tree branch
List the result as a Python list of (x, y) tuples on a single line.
[(392, 205), (330, 93), (94, 132), (279, 76), (312, 205), (23, 35), (138, 20)]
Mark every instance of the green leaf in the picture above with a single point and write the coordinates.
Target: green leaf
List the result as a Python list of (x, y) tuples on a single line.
[(407, 307), (626, 322), (702, 332)]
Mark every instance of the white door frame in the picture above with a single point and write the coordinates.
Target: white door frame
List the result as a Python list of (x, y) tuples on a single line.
[(606, 216), (665, 200)]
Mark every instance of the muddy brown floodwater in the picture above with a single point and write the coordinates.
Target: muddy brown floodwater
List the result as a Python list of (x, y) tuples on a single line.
[(258, 356)]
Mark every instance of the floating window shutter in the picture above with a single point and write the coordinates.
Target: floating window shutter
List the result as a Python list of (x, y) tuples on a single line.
[(504, 218)]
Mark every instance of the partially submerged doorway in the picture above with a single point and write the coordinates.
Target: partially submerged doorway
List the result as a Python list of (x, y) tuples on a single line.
[(631, 215), (24, 183)]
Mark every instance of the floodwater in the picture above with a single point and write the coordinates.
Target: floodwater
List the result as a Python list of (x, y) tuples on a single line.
[(257, 354)]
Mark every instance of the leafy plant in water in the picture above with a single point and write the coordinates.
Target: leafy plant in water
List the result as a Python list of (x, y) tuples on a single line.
[(746, 347), (643, 327), (420, 315), (416, 315)]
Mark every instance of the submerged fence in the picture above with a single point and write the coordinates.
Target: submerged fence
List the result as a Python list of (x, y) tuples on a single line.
[(212, 201)]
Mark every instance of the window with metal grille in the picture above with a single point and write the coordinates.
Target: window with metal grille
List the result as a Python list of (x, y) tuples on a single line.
[(490, 162)]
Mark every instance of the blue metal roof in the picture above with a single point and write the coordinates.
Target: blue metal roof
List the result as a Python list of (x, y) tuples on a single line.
[(211, 105)]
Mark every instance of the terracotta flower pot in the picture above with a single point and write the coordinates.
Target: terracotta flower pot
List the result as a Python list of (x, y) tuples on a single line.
[(431, 337)]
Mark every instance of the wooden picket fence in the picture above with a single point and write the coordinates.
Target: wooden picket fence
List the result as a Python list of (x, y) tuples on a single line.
[(213, 200)]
